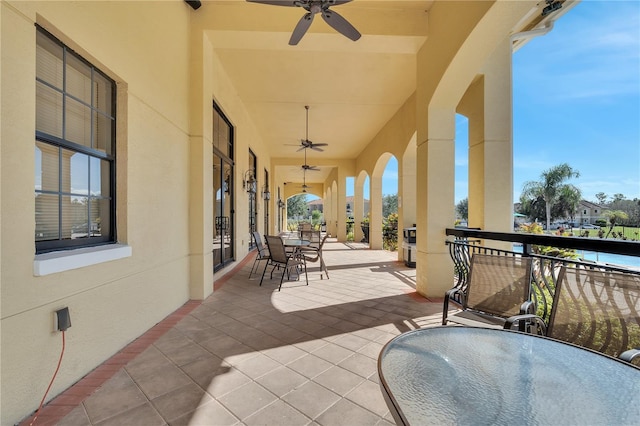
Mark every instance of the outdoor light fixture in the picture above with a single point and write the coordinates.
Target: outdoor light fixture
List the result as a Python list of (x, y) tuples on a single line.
[(281, 204), (249, 182), (552, 6), (195, 4), (266, 195)]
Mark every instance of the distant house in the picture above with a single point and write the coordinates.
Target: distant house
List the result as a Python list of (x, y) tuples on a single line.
[(589, 212), (316, 205)]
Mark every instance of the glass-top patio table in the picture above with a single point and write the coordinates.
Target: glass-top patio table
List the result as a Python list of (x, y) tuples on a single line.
[(295, 242), (480, 376)]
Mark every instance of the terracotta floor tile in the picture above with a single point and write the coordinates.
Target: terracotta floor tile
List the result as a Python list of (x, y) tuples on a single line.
[(345, 412), (311, 399), (181, 401), (119, 394), (247, 399), (253, 355)]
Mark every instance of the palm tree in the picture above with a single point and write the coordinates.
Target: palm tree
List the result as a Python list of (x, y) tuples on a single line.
[(569, 200), (551, 186), (615, 216)]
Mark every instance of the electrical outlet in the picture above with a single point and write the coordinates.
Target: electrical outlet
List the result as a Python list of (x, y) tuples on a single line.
[(64, 320)]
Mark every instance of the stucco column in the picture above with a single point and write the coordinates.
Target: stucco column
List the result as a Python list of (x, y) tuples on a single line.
[(358, 207), (375, 208), (200, 170), (328, 218), (334, 210), (341, 232), (487, 104), (435, 203), (407, 193)]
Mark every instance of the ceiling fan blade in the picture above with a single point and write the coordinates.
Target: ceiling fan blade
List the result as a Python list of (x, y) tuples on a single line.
[(290, 3), (316, 146), (300, 30), (341, 25)]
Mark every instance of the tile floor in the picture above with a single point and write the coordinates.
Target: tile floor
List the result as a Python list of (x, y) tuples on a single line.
[(250, 355)]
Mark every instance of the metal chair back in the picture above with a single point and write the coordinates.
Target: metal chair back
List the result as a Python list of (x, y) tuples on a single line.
[(312, 236), (314, 254), (596, 309), (262, 250), (280, 258), (276, 249), (263, 253), (498, 287)]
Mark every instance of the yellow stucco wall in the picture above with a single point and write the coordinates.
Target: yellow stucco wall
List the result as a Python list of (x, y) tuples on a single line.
[(166, 83), (110, 303)]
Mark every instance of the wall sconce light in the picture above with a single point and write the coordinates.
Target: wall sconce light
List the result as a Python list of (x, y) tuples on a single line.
[(266, 195), (281, 204), (249, 182), (552, 6)]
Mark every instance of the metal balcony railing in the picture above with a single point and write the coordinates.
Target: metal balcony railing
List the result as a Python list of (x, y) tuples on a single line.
[(467, 241)]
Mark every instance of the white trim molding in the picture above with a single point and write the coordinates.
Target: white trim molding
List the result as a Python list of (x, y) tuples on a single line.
[(60, 261)]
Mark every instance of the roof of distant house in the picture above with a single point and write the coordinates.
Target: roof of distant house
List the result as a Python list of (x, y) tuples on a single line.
[(590, 205)]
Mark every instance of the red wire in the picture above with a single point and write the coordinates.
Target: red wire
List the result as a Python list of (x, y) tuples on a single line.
[(50, 383)]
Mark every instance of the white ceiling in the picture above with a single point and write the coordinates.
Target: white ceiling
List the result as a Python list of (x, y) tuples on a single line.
[(352, 88)]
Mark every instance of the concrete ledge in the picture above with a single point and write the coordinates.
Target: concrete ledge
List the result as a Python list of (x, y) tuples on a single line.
[(60, 261)]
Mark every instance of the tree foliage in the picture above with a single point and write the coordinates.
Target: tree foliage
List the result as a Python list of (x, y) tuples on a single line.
[(615, 217), (463, 208), (621, 203), (389, 204), (601, 197), (297, 206), (550, 188)]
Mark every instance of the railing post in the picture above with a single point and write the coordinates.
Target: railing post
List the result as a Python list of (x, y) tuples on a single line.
[(527, 250)]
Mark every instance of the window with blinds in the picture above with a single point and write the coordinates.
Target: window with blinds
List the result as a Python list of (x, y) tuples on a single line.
[(74, 149)]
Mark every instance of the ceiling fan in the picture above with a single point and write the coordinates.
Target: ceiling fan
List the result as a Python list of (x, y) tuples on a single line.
[(306, 167), (313, 7), (306, 143), (304, 185)]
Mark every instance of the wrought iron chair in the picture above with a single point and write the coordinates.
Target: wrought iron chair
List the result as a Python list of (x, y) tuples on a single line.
[(314, 254), (280, 258), (594, 308), (498, 287), (263, 253)]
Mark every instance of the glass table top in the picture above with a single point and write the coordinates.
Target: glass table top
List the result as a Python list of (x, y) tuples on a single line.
[(478, 376)]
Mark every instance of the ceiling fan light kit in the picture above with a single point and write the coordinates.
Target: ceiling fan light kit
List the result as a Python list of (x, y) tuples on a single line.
[(314, 7)]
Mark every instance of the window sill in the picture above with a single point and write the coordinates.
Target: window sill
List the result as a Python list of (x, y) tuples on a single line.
[(60, 261)]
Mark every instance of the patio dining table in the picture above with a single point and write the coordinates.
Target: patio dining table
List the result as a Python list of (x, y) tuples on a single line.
[(295, 242), (481, 376)]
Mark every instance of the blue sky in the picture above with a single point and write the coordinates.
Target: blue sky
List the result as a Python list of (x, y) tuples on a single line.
[(576, 99)]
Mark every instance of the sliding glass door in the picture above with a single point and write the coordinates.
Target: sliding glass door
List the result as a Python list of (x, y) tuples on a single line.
[(223, 220)]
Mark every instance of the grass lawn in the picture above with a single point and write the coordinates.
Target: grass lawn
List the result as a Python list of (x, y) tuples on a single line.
[(632, 233)]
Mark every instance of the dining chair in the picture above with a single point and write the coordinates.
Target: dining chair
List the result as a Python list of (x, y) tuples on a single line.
[(312, 236), (594, 308), (314, 254), (262, 254), (499, 287), (280, 258)]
